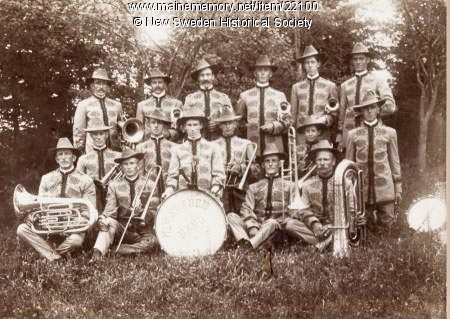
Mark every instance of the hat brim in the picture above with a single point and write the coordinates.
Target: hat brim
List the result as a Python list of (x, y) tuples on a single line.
[(97, 129), (215, 68), (320, 56), (139, 156), (281, 155), (228, 119), (159, 119), (359, 107), (148, 80), (350, 55), (303, 127), (331, 150)]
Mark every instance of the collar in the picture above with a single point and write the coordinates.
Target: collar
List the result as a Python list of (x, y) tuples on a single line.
[(313, 77), (206, 88), (272, 176), (153, 137), (98, 97), (361, 73), (371, 124), (326, 177), (67, 172), (158, 96), (132, 180), (195, 139), (99, 149), (262, 85)]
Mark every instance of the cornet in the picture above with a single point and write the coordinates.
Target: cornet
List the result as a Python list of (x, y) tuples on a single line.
[(284, 109), (332, 106), (175, 114)]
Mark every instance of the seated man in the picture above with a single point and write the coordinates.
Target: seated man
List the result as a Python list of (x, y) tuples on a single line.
[(66, 181), (119, 200), (265, 208), (197, 163)]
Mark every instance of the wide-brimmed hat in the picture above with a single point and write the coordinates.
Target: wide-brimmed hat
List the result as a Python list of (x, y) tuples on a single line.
[(369, 98), (226, 114), (312, 120), (191, 113), (310, 51), (159, 115), (100, 74), (157, 74), (322, 145), (127, 154), (264, 60), (359, 48), (65, 144), (272, 149), (97, 125), (203, 64)]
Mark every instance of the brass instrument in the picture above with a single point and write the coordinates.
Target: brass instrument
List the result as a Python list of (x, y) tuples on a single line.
[(284, 109), (113, 174), (349, 208), (231, 179), (132, 130), (134, 206), (331, 106), (291, 173), (175, 114), (53, 215)]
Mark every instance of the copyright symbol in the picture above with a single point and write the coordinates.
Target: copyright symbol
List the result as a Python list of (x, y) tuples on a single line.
[(137, 21)]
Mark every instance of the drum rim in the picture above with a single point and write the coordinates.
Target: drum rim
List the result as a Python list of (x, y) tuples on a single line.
[(438, 198), (210, 196)]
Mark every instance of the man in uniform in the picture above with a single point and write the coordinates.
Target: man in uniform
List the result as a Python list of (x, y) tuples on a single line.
[(207, 98), (100, 160), (259, 107), (237, 152), (119, 205), (374, 147), (160, 100), (97, 107), (353, 89), (311, 95), (196, 163), (65, 181), (265, 208), (157, 150)]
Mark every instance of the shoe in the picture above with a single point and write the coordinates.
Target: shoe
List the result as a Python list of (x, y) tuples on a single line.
[(322, 245), (245, 244), (96, 255)]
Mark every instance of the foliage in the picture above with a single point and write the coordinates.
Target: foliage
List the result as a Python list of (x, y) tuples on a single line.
[(395, 277)]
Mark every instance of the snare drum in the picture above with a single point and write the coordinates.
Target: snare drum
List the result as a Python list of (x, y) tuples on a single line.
[(191, 223)]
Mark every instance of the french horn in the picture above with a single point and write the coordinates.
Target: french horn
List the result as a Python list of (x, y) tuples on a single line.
[(52, 215)]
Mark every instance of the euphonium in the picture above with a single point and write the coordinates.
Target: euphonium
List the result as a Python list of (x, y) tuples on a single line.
[(331, 106), (50, 215), (349, 208)]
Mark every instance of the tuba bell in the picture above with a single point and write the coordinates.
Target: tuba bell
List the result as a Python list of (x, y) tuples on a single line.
[(53, 215)]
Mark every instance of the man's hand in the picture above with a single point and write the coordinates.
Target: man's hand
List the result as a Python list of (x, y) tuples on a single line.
[(267, 128), (321, 231), (252, 232), (398, 198), (168, 191), (235, 169), (29, 220), (103, 223), (215, 190)]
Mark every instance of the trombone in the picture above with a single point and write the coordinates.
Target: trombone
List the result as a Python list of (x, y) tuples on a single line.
[(134, 205), (231, 180)]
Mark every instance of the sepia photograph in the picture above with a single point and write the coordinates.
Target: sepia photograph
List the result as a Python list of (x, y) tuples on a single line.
[(223, 159)]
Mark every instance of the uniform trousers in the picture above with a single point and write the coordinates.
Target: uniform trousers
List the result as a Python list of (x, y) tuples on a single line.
[(137, 240), (382, 214), (291, 226), (44, 248), (232, 199)]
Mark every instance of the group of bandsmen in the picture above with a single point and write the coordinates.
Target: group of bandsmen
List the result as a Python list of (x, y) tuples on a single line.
[(213, 142)]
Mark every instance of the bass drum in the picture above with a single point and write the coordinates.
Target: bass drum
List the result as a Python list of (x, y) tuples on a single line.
[(191, 223)]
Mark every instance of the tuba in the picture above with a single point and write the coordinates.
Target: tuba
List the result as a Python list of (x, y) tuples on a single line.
[(349, 211), (53, 215)]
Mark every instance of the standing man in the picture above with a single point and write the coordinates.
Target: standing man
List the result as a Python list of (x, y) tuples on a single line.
[(157, 150), (311, 95), (262, 212), (65, 181), (207, 98), (237, 152), (259, 108), (353, 89), (98, 106), (97, 163), (196, 163), (119, 204), (374, 147), (160, 100)]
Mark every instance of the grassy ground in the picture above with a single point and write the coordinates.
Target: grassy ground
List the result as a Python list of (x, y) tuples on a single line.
[(401, 276)]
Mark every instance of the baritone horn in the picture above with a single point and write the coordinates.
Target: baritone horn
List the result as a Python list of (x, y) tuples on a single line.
[(53, 215), (231, 180), (332, 106)]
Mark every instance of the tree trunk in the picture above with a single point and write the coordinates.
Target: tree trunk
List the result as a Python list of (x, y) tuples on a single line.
[(422, 144)]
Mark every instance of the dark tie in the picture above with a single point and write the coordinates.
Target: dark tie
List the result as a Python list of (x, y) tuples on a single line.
[(269, 197), (206, 130), (158, 101), (228, 144), (358, 88), (261, 118), (158, 162), (132, 191), (324, 196), (101, 163), (311, 96), (194, 163), (105, 118), (370, 167), (64, 182)]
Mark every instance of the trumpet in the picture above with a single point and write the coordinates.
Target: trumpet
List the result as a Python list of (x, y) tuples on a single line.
[(134, 206), (231, 179), (284, 109), (331, 106), (290, 174), (175, 114)]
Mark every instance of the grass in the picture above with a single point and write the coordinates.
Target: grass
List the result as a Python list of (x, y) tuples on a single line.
[(396, 276)]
